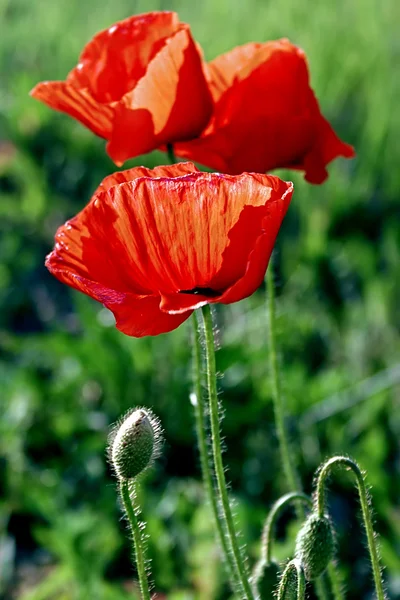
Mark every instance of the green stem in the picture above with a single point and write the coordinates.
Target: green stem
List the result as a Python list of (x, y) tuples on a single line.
[(128, 496), (200, 414), (289, 469), (348, 463), (293, 569), (274, 514), (171, 154), (225, 508)]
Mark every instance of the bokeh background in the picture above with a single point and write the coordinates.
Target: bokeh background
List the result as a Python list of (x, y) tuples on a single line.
[(66, 374)]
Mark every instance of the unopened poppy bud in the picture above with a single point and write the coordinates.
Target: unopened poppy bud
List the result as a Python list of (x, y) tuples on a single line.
[(134, 443), (290, 592), (265, 579), (292, 583), (315, 545)]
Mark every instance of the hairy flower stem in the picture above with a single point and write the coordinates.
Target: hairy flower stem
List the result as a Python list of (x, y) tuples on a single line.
[(128, 495), (348, 463), (289, 469), (325, 582), (273, 515), (201, 432), (223, 500)]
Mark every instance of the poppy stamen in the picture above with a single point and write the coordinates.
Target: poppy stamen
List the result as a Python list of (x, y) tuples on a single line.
[(202, 291)]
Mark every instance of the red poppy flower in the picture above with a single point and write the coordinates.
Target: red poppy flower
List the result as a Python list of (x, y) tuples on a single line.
[(266, 115), (138, 84), (153, 245)]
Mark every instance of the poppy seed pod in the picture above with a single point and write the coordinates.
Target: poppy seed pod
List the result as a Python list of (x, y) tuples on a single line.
[(265, 579), (134, 443), (315, 545)]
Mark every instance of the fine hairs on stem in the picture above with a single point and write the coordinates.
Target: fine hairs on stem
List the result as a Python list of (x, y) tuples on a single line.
[(134, 443), (201, 434), (320, 501), (128, 495), (223, 498)]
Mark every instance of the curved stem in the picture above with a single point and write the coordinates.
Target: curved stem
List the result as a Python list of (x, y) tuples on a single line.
[(273, 515), (171, 154), (197, 401), (289, 469), (128, 496), (225, 512), (320, 500), (293, 569)]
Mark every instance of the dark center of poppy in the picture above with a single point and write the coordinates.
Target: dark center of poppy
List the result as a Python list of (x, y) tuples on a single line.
[(202, 291)]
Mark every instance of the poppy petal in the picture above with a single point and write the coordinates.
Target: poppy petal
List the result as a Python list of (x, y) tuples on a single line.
[(140, 317), (134, 315), (246, 255), (326, 148), (238, 64), (261, 252), (77, 103), (283, 129), (116, 58), (176, 170), (172, 102)]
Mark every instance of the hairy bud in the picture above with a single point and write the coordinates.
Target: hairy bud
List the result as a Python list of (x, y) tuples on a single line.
[(134, 443), (265, 579), (315, 545), (292, 583)]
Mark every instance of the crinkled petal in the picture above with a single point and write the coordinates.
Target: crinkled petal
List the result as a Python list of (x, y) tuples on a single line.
[(176, 230), (77, 103), (260, 254), (246, 256), (174, 235), (176, 170)]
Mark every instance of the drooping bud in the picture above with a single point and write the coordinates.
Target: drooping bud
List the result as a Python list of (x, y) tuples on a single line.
[(265, 579), (134, 443), (315, 545)]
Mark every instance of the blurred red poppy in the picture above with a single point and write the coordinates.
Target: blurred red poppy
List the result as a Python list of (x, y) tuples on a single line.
[(266, 115), (153, 245), (139, 84)]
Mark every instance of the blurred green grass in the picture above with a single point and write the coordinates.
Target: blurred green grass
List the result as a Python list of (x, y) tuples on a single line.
[(66, 373)]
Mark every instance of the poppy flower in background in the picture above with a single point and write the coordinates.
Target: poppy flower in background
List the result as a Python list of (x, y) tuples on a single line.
[(153, 245), (139, 84), (265, 116)]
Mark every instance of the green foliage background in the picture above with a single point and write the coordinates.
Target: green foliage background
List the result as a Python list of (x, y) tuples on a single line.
[(66, 374)]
